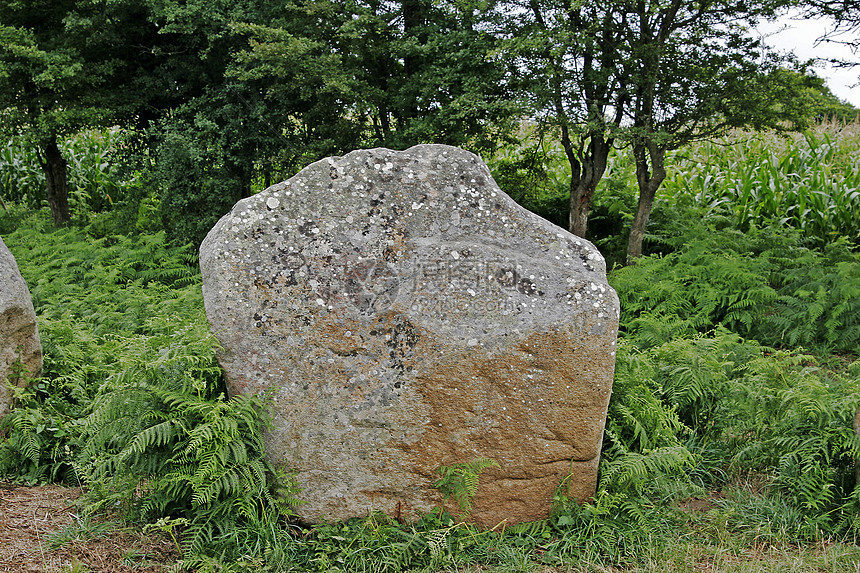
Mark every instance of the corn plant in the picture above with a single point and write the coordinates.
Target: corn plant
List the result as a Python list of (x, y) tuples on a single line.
[(95, 182), (21, 178), (809, 181)]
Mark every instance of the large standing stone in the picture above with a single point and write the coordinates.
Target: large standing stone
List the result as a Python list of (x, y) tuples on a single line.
[(403, 313), (19, 336)]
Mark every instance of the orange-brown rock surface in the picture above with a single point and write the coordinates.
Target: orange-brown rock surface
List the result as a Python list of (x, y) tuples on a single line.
[(402, 313)]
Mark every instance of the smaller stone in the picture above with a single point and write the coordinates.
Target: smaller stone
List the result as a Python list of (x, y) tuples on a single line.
[(19, 335)]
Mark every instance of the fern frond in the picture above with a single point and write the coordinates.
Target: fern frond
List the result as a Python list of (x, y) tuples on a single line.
[(460, 481)]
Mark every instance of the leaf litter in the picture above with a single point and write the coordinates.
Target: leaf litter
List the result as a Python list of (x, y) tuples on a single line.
[(41, 532)]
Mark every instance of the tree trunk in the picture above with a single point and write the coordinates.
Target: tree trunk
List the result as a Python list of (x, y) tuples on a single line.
[(580, 205), (242, 175), (55, 168), (582, 187), (649, 180), (415, 18)]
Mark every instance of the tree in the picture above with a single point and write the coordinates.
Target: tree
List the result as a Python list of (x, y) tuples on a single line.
[(569, 57), (651, 74), (71, 64), (209, 136), (695, 73), (260, 88), (368, 73), (845, 14), (846, 30), (60, 64), (238, 91), (209, 153)]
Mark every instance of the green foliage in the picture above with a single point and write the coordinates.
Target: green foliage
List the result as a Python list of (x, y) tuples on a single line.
[(460, 481), (81, 528), (746, 408), (66, 67), (95, 183), (168, 525), (195, 184), (50, 73), (73, 277), (816, 99), (36, 437), (131, 398), (755, 512), (755, 410), (239, 95), (713, 396), (613, 208), (189, 455), (366, 74), (764, 284), (796, 421), (21, 176), (534, 173), (378, 543), (772, 415), (715, 406), (91, 296), (818, 306)]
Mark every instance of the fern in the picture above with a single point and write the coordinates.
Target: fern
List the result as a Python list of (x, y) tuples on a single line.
[(763, 286), (132, 389), (460, 481), (37, 436), (407, 551), (191, 455)]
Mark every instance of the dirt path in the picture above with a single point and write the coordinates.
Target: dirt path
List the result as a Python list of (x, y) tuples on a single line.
[(41, 532)]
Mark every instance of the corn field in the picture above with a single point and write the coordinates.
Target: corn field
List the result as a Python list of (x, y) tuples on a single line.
[(809, 181), (94, 177), (21, 177)]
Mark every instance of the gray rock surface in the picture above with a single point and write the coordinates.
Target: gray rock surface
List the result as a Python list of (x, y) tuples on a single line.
[(19, 335), (403, 313)]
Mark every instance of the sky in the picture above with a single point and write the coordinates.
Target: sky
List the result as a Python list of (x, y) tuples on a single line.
[(791, 33)]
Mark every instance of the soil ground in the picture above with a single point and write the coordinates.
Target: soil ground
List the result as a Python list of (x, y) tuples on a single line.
[(41, 532)]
